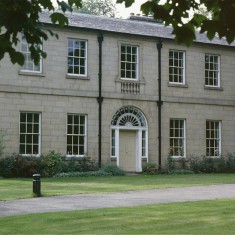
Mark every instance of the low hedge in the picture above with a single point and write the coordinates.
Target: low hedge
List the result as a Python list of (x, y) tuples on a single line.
[(48, 165), (203, 164)]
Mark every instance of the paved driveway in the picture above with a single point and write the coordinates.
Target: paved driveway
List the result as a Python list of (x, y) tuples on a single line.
[(124, 199)]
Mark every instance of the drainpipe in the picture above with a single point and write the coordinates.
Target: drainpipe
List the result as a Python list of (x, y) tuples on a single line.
[(100, 98), (159, 104)]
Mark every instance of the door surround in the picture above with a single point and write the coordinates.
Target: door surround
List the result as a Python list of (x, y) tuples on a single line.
[(130, 118)]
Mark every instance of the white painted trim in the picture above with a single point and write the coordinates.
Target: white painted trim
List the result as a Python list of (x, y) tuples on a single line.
[(117, 146)]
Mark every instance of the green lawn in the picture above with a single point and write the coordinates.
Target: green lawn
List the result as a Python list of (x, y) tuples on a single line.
[(22, 188), (202, 217)]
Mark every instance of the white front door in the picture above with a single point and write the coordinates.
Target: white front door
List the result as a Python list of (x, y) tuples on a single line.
[(127, 150)]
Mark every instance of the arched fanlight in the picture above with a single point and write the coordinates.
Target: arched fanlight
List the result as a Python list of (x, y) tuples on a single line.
[(129, 116)]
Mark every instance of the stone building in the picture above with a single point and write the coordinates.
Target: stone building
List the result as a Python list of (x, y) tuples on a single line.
[(120, 91)]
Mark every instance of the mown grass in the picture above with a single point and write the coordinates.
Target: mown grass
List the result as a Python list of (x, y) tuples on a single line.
[(202, 217), (22, 188)]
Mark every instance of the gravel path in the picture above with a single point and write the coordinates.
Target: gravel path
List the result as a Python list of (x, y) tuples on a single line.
[(123, 199)]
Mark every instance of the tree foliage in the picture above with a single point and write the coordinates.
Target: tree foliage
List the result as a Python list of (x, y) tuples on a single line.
[(220, 21), (22, 16), (98, 7)]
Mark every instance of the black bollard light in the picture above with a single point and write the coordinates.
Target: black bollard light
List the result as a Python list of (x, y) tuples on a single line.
[(37, 185)]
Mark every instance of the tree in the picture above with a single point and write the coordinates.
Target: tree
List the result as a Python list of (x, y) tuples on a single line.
[(219, 22), (22, 16), (98, 7)]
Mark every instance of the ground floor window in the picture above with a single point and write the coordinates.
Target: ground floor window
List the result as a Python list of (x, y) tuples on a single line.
[(113, 141), (76, 134), (30, 136), (213, 138), (177, 138), (144, 140)]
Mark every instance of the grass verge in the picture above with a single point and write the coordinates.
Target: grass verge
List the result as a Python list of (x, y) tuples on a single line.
[(22, 188), (202, 217)]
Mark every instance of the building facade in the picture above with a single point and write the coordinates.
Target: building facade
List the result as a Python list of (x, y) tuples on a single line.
[(122, 92)]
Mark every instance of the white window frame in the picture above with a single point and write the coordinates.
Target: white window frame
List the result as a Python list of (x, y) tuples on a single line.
[(113, 143), (213, 68), (78, 58), (173, 147), (71, 154), (26, 133), (144, 140), (176, 67), (210, 138), (126, 62), (27, 56)]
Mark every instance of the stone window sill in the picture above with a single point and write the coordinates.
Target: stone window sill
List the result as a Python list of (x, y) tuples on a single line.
[(177, 85), (32, 74), (213, 88), (70, 76)]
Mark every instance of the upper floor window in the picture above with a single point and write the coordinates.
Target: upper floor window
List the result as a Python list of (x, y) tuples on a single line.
[(176, 67), (129, 62), (77, 57), (29, 65), (30, 133), (177, 137), (213, 138), (212, 70), (76, 134)]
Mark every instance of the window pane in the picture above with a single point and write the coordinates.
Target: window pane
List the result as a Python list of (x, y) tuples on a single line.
[(22, 128), (29, 117), (35, 139), (22, 138), (75, 149), (23, 117), (69, 149), (76, 119), (29, 139), (36, 128), (35, 149), (29, 149), (81, 150), (22, 149), (75, 140)]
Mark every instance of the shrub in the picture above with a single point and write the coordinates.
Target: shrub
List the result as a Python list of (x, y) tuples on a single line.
[(15, 165), (2, 146), (170, 163), (230, 162), (8, 166), (81, 164), (86, 164), (212, 165), (52, 163), (113, 169), (27, 166), (149, 168)]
